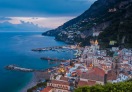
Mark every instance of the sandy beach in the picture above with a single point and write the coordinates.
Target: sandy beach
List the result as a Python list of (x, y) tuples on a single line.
[(37, 77), (32, 83)]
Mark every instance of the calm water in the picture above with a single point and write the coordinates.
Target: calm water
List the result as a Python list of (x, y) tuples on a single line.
[(15, 48)]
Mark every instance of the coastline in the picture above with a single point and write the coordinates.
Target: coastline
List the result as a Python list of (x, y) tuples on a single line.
[(37, 77), (20, 82), (31, 83)]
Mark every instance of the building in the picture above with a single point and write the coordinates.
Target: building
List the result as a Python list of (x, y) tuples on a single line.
[(112, 10), (121, 77), (59, 86), (111, 75)]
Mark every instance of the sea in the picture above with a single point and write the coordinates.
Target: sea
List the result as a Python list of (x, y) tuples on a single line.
[(15, 48)]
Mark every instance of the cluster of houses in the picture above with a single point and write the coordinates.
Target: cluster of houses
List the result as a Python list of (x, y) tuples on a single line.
[(112, 10), (71, 33), (93, 67)]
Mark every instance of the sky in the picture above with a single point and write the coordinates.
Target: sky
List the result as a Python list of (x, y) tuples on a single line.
[(44, 13)]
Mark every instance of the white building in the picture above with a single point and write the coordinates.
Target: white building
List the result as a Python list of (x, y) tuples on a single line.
[(120, 78)]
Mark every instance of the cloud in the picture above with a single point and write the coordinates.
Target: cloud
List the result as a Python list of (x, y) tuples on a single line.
[(44, 22), (39, 8), (4, 19), (24, 26), (49, 22), (44, 13)]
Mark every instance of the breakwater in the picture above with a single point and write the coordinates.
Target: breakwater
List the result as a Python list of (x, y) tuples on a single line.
[(16, 68), (53, 59)]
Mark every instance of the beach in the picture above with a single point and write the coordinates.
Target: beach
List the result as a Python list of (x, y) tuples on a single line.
[(36, 78), (32, 83)]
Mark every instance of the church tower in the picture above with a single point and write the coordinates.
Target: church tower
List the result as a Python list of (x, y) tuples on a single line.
[(96, 45), (96, 42)]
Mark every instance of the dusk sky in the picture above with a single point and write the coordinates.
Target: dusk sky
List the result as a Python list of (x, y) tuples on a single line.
[(45, 13)]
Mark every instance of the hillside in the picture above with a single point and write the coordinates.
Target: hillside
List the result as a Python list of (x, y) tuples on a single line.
[(111, 18)]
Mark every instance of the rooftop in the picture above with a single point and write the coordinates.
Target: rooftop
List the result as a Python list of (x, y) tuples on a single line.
[(111, 75), (86, 83), (47, 89), (64, 78), (95, 74)]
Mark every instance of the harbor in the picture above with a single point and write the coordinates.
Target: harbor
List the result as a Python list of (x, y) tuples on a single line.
[(58, 61), (49, 57)]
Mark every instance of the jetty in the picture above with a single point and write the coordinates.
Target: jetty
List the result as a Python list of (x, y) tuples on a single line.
[(16, 68)]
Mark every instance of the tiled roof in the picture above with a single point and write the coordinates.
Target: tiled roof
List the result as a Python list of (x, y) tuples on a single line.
[(95, 74), (47, 89), (111, 75), (79, 72), (99, 71), (86, 83), (82, 83), (64, 78)]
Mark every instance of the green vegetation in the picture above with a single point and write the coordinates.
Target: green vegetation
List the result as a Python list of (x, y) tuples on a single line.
[(119, 31), (117, 87)]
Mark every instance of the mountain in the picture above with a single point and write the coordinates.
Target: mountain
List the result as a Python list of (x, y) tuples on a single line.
[(109, 21)]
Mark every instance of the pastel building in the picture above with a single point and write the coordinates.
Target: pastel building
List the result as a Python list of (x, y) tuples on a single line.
[(121, 77)]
